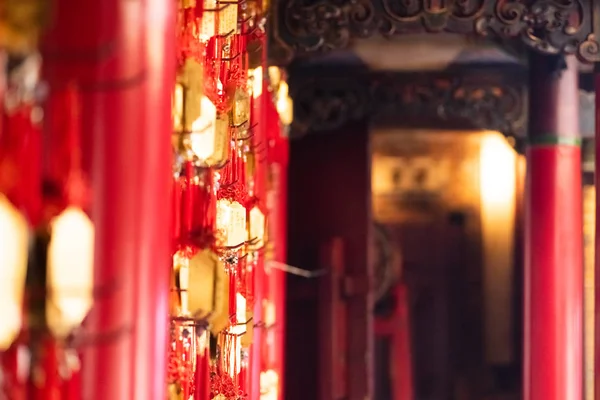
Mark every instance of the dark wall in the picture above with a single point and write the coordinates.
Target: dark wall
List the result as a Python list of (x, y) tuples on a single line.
[(329, 197)]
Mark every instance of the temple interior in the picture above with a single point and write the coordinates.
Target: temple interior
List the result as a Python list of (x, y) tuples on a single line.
[(299, 200)]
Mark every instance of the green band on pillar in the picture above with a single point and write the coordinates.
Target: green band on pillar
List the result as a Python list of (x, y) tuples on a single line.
[(553, 140)]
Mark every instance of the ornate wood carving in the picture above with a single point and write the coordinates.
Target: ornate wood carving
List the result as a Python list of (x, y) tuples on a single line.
[(471, 98), (549, 26)]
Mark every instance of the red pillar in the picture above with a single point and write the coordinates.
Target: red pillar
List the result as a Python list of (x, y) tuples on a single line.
[(120, 54), (279, 154), (154, 243), (277, 284), (553, 239)]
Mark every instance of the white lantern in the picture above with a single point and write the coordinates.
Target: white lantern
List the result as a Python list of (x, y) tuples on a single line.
[(70, 276), (14, 240)]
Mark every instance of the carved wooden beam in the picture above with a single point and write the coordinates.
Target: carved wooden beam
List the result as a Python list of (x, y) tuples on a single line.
[(491, 98), (549, 26)]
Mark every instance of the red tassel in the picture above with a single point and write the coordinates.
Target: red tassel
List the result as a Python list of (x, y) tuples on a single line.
[(205, 204), (243, 378), (198, 9), (203, 375)]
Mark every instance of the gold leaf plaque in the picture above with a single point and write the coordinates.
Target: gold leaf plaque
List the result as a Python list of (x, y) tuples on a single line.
[(203, 276)]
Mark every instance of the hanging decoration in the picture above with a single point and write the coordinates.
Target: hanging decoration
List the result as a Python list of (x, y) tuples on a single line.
[(220, 184)]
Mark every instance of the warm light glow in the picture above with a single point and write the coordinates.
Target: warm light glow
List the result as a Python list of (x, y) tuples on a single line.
[(285, 105), (14, 237), (269, 385), (70, 271), (498, 165), (274, 75), (257, 81), (498, 162), (231, 222)]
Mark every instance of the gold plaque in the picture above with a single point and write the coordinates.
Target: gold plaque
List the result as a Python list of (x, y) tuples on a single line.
[(174, 299), (177, 107), (240, 113), (250, 163), (222, 142), (208, 26), (174, 392), (256, 226), (209, 137), (228, 18), (188, 94), (219, 319), (225, 15), (231, 222), (203, 275), (248, 337)]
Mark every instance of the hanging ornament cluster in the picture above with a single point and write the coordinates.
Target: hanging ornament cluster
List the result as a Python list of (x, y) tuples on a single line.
[(46, 236), (219, 188)]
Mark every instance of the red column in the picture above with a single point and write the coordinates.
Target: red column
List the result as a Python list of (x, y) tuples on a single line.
[(120, 54), (553, 237), (277, 284), (154, 244)]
